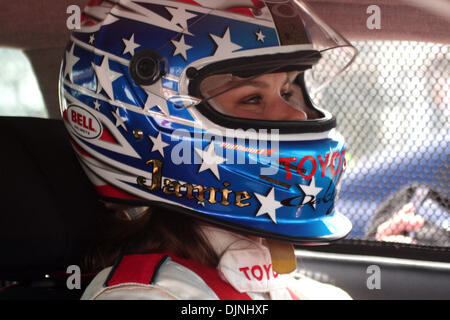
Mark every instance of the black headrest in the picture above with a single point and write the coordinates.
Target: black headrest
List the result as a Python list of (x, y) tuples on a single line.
[(49, 211)]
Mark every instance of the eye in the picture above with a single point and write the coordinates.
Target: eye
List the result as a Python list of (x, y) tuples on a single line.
[(287, 95), (256, 99)]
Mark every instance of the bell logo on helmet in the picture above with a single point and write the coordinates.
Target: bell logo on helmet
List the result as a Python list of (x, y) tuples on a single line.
[(83, 122)]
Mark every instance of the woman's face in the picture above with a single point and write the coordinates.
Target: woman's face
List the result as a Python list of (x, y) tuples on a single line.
[(272, 96)]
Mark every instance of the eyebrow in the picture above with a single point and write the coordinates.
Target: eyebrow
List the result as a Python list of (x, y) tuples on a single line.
[(256, 83)]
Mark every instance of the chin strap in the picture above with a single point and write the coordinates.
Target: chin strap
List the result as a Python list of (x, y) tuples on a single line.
[(283, 256)]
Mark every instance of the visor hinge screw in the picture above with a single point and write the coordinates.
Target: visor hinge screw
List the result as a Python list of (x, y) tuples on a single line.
[(138, 134)]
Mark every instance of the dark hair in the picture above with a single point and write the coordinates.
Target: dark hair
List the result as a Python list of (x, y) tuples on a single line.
[(157, 230)]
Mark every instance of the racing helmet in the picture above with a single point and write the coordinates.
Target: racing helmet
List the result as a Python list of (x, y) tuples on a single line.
[(162, 101)]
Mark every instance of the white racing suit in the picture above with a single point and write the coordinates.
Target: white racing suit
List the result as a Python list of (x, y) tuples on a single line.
[(244, 272)]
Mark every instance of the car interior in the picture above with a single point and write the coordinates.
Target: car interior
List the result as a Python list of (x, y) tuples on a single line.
[(392, 106)]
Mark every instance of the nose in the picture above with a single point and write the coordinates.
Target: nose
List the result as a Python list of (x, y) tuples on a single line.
[(280, 110)]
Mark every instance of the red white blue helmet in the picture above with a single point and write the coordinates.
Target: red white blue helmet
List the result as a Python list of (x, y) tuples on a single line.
[(142, 91)]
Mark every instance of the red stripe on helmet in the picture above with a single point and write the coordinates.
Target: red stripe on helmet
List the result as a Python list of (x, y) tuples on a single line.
[(107, 136), (243, 11), (93, 3)]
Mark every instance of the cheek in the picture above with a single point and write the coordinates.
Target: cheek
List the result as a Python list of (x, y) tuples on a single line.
[(239, 112), (247, 114)]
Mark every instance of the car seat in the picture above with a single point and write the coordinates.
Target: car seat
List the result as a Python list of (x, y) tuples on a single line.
[(49, 211)]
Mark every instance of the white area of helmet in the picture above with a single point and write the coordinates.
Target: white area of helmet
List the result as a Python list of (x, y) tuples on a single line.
[(100, 12)]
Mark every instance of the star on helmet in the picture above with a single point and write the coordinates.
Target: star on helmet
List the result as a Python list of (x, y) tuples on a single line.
[(155, 100), (210, 160), (269, 205), (180, 17), (106, 77), (120, 121), (96, 105), (311, 191), (130, 45), (181, 47), (158, 144), (71, 60), (260, 36), (224, 44)]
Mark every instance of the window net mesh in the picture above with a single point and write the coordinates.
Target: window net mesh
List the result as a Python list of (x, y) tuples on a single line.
[(392, 106)]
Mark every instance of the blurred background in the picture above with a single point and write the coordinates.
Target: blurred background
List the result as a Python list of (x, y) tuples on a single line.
[(392, 106)]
